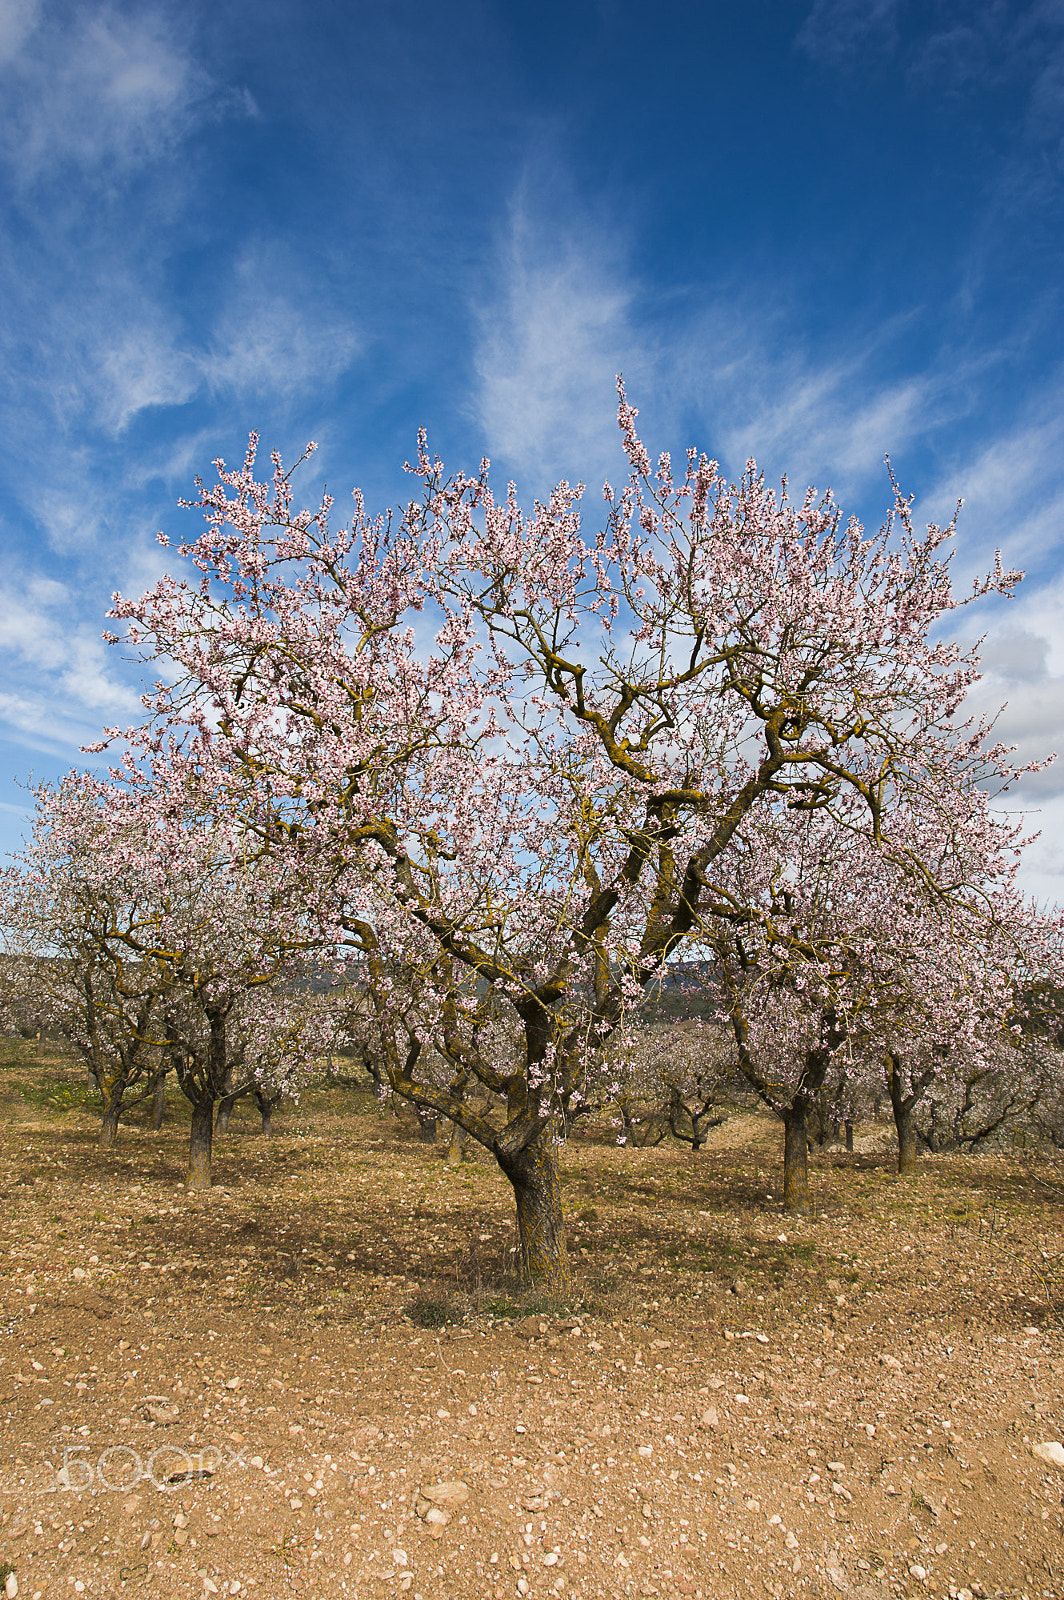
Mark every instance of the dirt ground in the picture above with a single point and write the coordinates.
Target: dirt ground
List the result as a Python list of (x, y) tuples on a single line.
[(245, 1392)]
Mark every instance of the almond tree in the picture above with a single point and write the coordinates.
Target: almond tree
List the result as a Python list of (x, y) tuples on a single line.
[(166, 945), (59, 922), (517, 755), (836, 966)]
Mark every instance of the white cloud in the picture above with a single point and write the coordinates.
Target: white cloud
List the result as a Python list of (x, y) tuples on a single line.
[(60, 686), (141, 367), (838, 32), (1012, 487), (552, 333), (808, 420), (99, 89), (564, 316), (275, 332), (18, 18), (1041, 873)]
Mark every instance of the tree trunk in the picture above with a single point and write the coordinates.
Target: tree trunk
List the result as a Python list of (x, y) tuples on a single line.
[(849, 1137), (112, 1110), (902, 1105), (457, 1147), (158, 1101), (201, 1138), (426, 1125), (225, 1111), (903, 1121), (536, 1180), (796, 1162), (266, 1104), (822, 1116)]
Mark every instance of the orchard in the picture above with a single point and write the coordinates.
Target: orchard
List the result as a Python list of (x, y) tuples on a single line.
[(601, 844), (487, 775)]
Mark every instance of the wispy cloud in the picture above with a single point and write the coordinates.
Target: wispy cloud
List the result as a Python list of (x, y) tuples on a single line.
[(98, 88), (553, 331), (837, 32), (565, 315), (277, 332), (18, 18), (59, 677)]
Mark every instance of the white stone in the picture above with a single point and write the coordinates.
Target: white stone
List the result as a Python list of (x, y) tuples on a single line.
[(11, 1586), (917, 1571), (1051, 1452)]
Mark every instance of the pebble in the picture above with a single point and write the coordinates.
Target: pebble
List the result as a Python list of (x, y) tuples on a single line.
[(1051, 1452), (11, 1586), (710, 1417), (449, 1494), (738, 1286)]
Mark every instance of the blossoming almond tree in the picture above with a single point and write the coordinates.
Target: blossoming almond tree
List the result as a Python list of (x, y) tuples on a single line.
[(517, 753), (834, 964), (57, 918), (162, 924)]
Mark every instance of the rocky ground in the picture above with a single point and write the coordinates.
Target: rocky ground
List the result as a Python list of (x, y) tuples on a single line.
[(247, 1392)]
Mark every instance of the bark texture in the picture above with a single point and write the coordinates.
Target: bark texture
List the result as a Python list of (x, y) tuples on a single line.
[(536, 1178), (266, 1104), (112, 1110), (903, 1119), (905, 1093), (796, 1160), (158, 1100), (201, 1139)]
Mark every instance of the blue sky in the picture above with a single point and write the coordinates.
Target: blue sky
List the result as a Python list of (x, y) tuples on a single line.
[(815, 232)]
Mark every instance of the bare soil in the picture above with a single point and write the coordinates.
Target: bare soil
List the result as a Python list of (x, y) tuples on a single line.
[(245, 1392)]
